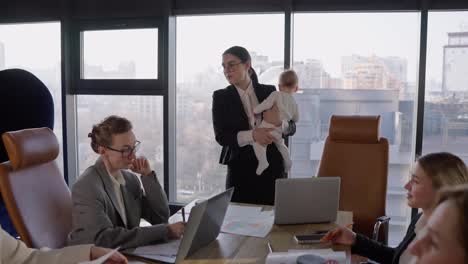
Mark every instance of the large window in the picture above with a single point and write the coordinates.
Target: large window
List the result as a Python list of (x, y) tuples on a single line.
[(446, 101), (121, 74), (35, 47), (200, 44), (146, 115), (361, 64), (120, 54)]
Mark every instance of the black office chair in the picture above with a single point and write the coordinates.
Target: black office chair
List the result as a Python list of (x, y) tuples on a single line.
[(25, 102)]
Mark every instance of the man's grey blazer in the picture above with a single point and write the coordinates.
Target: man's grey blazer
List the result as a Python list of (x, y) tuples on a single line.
[(97, 218)]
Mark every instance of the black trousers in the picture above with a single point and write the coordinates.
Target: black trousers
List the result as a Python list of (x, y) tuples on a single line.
[(250, 187)]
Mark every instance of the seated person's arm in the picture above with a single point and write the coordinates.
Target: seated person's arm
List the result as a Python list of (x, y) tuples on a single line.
[(154, 207), (15, 251), (91, 224)]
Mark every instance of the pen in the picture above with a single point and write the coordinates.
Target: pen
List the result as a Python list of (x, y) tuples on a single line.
[(183, 214), (269, 247)]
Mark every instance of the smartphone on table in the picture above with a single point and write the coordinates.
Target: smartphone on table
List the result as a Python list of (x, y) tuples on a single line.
[(312, 238)]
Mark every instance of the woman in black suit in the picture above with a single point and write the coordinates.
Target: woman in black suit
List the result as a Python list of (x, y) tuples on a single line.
[(430, 173), (235, 129)]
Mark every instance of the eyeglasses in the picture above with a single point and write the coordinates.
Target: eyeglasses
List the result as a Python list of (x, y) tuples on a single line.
[(128, 151), (230, 66)]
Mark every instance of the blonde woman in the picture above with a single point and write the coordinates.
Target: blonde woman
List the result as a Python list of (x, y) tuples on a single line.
[(445, 237), (430, 173)]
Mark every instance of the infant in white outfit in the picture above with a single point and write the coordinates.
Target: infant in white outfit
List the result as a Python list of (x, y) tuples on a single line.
[(287, 107)]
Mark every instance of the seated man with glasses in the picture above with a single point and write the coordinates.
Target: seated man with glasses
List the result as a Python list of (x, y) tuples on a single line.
[(109, 200)]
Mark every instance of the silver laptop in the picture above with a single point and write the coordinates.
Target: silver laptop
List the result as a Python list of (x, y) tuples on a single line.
[(306, 200), (203, 227)]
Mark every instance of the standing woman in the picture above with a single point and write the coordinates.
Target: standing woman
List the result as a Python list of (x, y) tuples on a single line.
[(235, 127)]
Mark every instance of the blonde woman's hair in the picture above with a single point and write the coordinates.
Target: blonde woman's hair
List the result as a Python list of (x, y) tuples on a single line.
[(444, 169)]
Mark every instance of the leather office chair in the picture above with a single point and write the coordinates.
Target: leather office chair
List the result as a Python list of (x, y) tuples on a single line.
[(28, 98), (35, 193), (354, 152)]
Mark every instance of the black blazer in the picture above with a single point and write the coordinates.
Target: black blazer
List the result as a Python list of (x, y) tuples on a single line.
[(383, 254), (229, 118)]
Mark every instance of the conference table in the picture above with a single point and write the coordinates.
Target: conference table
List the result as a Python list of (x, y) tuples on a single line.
[(232, 248)]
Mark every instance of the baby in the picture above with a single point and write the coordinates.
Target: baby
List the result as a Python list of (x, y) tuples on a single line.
[(287, 107)]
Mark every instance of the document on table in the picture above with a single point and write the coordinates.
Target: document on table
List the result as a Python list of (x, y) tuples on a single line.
[(102, 259), (309, 256), (239, 211), (247, 221)]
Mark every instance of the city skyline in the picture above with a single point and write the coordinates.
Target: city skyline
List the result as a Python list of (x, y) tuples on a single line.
[(439, 24)]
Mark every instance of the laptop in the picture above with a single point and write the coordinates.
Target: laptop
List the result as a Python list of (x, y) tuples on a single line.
[(203, 227), (306, 200)]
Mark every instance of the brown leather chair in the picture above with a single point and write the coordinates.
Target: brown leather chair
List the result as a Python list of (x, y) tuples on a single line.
[(35, 193), (354, 151)]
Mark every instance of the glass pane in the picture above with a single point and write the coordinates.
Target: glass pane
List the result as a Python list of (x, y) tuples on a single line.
[(199, 73), (358, 64), (146, 115), (36, 48), (446, 105), (120, 54)]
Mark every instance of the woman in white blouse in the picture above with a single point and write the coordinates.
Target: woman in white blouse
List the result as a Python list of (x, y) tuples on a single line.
[(13, 251)]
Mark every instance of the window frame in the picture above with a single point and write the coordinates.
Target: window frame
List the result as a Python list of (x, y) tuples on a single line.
[(80, 85), (73, 84)]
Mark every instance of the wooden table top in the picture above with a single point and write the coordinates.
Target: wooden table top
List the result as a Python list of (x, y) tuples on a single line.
[(231, 248)]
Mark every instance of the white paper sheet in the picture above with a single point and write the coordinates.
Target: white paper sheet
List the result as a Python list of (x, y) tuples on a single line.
[(247, 221), (102, 259), (240, 211)]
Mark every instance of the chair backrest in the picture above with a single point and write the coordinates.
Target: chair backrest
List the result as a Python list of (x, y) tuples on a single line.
[(354, 152), (29, 99), (35, 193)]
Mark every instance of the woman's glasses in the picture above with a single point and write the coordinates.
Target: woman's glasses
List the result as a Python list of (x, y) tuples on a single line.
[(128, 151)]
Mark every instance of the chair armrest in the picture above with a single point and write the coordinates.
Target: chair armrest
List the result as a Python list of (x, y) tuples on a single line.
[(385, 222)]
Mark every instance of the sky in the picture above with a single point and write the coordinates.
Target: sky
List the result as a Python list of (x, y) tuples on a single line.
[(202, 39), (109, 47), (35, 45)]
